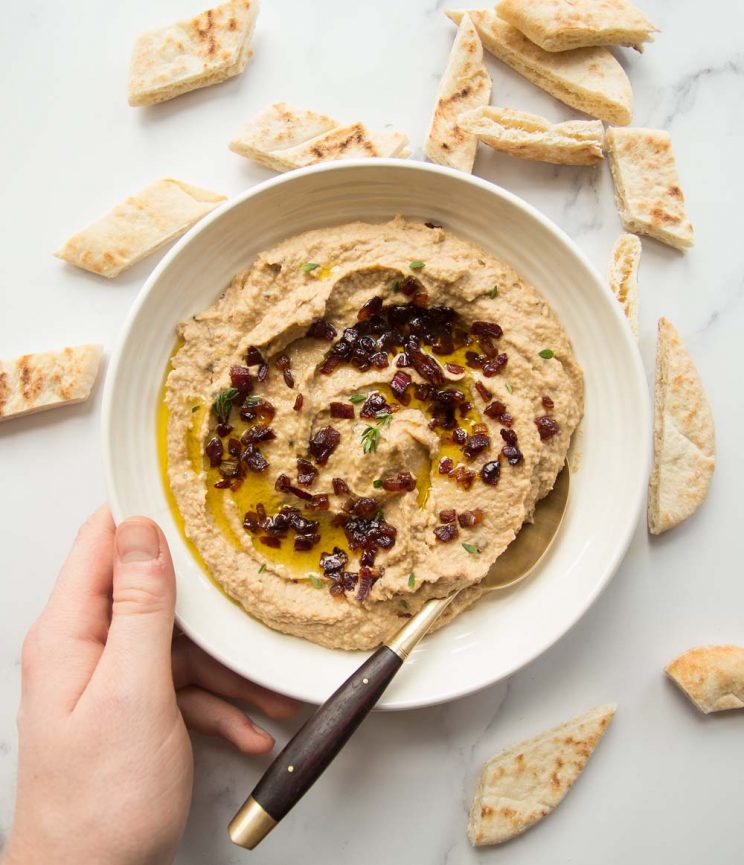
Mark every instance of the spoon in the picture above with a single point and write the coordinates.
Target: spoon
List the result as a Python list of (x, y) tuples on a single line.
[(306, 756)]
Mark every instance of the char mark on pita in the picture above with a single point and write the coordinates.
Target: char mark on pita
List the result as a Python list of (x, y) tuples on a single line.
[(46, 380), (283, 137), (465, 85), (525, 782), (197, 52), (647, 188), (588, 79), (560, 25), (684, 436)]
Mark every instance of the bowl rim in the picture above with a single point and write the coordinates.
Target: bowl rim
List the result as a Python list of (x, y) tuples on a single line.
[(622, 540)]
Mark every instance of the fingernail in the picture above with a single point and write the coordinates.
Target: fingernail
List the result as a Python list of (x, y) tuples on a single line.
[(261, 732), (137, 541)]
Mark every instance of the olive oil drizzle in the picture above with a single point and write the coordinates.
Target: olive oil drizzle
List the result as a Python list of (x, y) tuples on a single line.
[(259, 487)]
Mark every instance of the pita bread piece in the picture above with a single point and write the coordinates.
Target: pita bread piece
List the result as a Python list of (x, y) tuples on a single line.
[(626, 256), (36, 382), (711, 676), (465, 84), (559, 25), (138, 226), (684, 436), (588, 79), (204, 50), (278, 128), (647, 191), (345, 142), (524, 783), (284, 138), (528, 136)]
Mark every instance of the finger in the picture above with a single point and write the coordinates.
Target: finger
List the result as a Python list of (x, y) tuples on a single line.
[(208, 714), (144, 596), (193, 666), (68, 639), (80, 602)]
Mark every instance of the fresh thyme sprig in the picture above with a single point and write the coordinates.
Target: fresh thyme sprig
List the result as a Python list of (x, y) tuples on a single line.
[(223, 403), (371, 434)]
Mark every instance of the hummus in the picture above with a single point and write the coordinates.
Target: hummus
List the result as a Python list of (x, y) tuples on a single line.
[(364, 420)]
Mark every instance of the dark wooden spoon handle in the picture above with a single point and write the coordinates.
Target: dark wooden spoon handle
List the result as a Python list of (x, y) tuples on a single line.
[(306, 756)]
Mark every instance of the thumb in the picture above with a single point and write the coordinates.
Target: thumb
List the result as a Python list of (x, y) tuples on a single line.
[(144, 596)]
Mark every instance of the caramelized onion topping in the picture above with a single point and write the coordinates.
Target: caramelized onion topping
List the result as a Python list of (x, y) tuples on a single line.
[(446, 533), (278, 526), (446, 464), (214, 450), (321, 329), (261, 408), (547, 427), (372, 307), (383, 330), (401, 482), (365, 584), (463, 477), (241, 379), (476, 444), (361, 507), (493, 366), (367, 533), (319, 502), (306, 472), (374, 403), (258, 433), (342, 410), (323, 443), (468, 519), (491, 472), (400, 383), (284, 485), (253, 459), (512, 455), (484, 392), (340, 487), (486, 328), (253, 357)]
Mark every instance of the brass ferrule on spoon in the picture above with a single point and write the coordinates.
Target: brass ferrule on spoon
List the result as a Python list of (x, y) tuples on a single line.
[(250, 825), (415, 629)]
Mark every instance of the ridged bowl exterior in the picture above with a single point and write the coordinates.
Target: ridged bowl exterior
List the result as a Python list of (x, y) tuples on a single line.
[(504, 631)]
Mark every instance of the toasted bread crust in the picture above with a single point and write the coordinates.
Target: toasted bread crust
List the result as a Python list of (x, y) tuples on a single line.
[(36, 382)]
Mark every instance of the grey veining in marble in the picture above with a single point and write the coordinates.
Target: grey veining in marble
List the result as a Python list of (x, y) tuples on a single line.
[(665, 785)]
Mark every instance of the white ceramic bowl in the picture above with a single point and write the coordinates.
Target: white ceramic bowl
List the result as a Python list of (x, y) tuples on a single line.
[(504, 631)]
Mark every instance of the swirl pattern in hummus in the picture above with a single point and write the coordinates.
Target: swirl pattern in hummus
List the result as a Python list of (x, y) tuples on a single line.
[(328, 275)]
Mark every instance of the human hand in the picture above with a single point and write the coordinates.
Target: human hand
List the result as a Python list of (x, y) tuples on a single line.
[(105, 766)]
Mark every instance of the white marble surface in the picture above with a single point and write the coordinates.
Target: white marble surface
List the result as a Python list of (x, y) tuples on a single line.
[(665, 786)]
